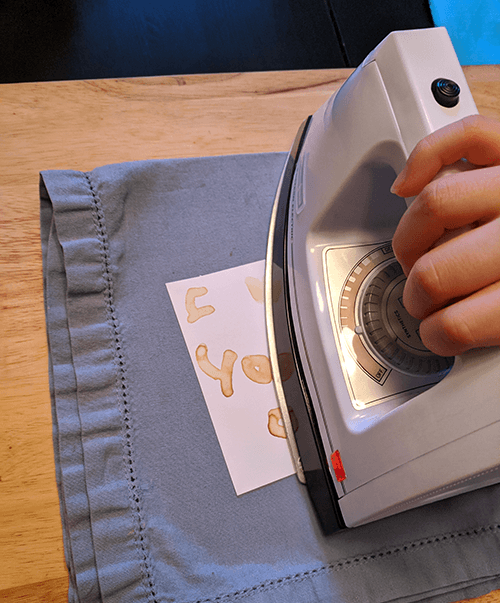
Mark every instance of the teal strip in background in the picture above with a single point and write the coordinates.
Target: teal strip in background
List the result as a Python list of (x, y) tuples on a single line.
[(474, 28)]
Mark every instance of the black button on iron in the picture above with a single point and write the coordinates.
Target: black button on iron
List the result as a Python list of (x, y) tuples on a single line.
[(446, 92)]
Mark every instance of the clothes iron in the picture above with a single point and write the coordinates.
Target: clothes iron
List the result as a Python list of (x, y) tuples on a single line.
[(376, 423)]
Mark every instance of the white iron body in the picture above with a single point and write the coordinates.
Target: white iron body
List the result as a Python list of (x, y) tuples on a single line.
[(403, 440)]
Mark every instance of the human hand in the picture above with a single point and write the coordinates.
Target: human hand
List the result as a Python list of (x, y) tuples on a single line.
[(454, 286)]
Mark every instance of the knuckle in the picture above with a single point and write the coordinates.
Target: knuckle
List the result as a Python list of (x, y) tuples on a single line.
[(398, 245), (427, 279), (475, 129), (423, 146), (457, 331), (474, 124), (431, 199), (437, 201)]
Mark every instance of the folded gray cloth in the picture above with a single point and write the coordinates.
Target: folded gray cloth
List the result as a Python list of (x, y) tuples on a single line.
[(148, 507)]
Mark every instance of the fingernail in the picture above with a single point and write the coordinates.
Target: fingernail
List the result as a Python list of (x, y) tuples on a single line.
[(416, 300)]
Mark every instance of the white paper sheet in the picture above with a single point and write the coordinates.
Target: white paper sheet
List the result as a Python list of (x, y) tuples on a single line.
[(223, 322)]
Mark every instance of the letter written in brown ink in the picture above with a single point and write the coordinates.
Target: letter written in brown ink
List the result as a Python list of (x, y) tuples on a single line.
[(257, 368), (275, 423), (195, 313), (256, 288), (224, 374)]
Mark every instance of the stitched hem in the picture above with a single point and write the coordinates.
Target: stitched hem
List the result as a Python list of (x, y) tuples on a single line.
[(135, 501), (348, 563), (78, 542)]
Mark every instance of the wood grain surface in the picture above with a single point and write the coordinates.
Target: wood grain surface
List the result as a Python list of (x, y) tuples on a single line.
[(81, 125)]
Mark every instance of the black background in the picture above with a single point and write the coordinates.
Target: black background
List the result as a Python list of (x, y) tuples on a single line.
[(78, 39)]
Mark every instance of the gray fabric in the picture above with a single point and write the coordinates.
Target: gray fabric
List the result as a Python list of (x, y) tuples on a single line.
[(148, 507)]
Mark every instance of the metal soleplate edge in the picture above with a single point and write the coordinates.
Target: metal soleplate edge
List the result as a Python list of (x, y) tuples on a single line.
[(305, 444)]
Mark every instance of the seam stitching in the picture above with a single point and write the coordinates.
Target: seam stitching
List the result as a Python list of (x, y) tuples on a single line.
[(100, 225), (351, 562)]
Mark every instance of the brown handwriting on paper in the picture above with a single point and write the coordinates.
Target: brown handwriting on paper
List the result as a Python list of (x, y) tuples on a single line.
[(275, 428), (257, 368), (224, 374), (275, 423), (256, 288), (195, 313)]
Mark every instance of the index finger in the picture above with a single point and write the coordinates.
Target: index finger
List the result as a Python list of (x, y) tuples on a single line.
[(460, 201), (475, 138)]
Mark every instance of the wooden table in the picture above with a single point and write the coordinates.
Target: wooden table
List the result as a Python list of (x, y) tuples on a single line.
[(81, 125)]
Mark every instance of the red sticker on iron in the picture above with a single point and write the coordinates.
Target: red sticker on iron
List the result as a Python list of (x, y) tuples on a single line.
[(338, 467)]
